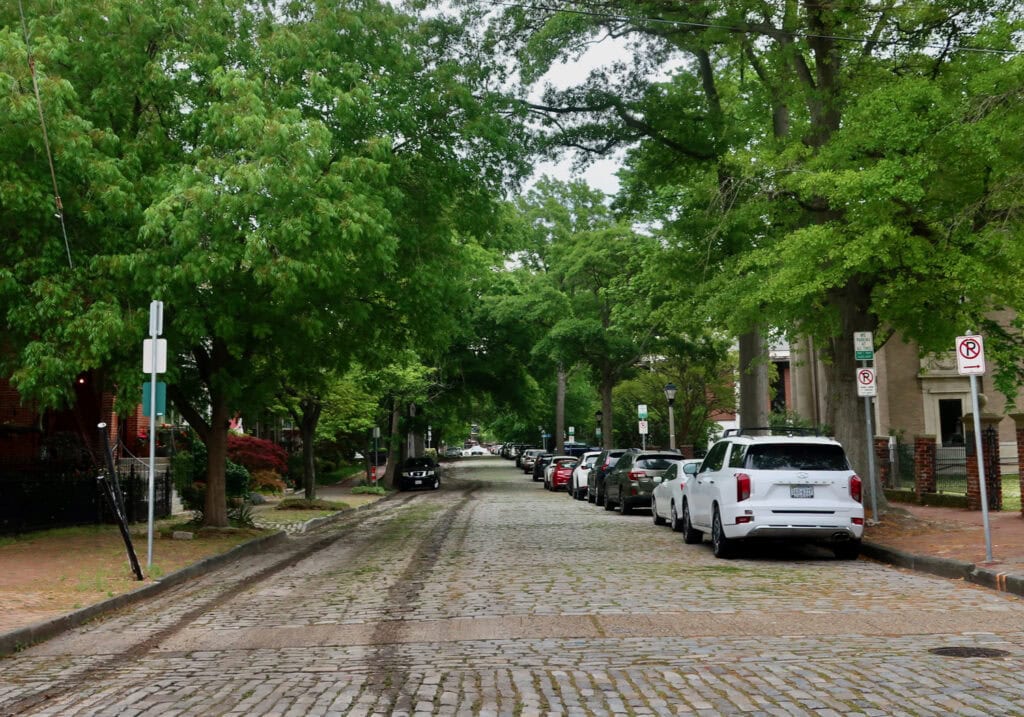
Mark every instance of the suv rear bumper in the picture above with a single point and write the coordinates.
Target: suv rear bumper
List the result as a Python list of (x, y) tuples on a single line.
[(834, 527)]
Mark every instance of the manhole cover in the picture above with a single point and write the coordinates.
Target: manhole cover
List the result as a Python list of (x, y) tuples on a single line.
[(968, 652)]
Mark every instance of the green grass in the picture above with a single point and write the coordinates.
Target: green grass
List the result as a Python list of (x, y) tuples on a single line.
[(281, 517), (1011, 492)]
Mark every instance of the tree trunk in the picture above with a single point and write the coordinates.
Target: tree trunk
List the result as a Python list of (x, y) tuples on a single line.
[(311, 409), (215, 512), (560, 413), (753, 380), (607, 384), (393, 448), (845, 409)]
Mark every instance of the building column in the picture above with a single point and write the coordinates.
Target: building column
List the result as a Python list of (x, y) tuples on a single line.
[(882, 460), (993, 483), (924, 465)]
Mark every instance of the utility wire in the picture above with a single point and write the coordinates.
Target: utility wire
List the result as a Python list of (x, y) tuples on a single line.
[(46, 140), (751, 30)]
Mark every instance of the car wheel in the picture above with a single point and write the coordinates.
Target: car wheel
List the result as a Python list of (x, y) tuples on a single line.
[(623, 505), (658, 520), (674, 522), (691, 535), (721, 546), (437, 483), (607, 502), (847, 551)]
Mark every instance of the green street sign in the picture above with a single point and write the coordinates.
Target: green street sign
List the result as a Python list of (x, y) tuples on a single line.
[(161, 398)]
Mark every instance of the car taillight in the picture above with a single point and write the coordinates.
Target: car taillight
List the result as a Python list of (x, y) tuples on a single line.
[(636, 475), (742, 486), (855, 488)]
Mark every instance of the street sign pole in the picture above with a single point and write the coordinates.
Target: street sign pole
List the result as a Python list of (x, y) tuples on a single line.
[(970, 360), (156, 327), (871, 460), (864, 351)]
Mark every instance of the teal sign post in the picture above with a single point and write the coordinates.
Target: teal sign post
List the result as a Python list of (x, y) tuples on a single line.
[(161, 398)]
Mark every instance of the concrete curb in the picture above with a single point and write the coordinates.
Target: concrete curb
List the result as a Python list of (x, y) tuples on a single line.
[(946, 568), (22, 637)]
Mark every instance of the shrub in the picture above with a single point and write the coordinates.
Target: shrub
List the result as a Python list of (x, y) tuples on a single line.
[(257, 454), (369, 490), (304, 504), (267, 482)]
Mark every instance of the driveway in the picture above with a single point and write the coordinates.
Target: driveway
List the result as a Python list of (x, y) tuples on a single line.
[(493, 596)]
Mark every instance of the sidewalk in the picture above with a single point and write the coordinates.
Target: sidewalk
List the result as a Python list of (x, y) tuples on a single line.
[(950, 542)]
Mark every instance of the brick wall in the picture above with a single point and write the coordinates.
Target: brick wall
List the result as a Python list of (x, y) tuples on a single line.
[(882, 459), (993, 484), (924, 464)]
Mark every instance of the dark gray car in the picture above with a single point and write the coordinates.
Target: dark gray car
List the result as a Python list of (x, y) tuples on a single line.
[(631, 481)]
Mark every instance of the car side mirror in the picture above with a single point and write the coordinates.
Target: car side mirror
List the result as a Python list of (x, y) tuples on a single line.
[(691, 469)]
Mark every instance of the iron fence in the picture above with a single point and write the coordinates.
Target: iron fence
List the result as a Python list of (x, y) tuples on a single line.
[(41, 497), (951, 470)]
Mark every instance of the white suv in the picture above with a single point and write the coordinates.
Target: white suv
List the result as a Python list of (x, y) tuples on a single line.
[(775, 487)]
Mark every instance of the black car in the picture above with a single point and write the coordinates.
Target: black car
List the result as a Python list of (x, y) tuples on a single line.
[(602, 467), (540, 464), (416, 473)]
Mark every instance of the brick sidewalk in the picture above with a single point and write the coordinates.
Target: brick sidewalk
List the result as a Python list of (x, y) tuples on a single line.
[(951, 542)]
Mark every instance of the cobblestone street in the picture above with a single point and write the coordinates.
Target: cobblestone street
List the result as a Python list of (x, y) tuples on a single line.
[(495, 597)]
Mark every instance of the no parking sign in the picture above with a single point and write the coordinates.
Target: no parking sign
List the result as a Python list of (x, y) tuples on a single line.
[(970, 356), (866, 385)]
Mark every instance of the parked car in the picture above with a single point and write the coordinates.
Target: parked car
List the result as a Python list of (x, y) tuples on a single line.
[(595, 479), (667, 498), (418, 472), (630, 483), (559, 471), (578, 482), (475, 451), (540, 463), (575, 449), (452, 452), (527, 457), (775, 487)]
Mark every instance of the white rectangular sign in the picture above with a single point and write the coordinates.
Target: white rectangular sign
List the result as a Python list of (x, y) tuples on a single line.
[(643, 428), (866, 385), (641, 411), (970, 355), (863, 346), (161, 356)]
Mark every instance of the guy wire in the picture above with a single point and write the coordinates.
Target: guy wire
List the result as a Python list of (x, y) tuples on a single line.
[(46, 139)]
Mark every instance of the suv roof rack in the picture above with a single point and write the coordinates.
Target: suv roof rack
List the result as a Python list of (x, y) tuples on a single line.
[(771, 431)]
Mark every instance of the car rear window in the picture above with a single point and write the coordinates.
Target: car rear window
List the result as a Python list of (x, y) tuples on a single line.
[(566, 461), (797, 456), (655, 463)]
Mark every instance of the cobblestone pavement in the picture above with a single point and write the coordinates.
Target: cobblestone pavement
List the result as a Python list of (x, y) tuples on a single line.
[(495, 597)]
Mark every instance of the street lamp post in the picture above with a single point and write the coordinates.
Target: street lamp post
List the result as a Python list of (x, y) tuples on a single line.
[(670, 394), (598, 416)]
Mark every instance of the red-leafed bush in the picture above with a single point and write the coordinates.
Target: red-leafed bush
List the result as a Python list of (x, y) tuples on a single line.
[(257, 454)]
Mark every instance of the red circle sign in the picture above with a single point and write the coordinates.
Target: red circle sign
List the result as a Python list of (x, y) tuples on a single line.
[(969, 348), (866, 377)]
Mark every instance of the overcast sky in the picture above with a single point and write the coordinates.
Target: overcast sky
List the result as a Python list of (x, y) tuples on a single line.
[(601, 174)]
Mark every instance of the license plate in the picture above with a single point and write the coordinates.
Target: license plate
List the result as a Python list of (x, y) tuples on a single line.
[(419, 482), (801, 491)]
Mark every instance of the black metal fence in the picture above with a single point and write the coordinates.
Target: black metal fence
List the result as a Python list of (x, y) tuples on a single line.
[(951, 469), (900, 475), (42, 497)]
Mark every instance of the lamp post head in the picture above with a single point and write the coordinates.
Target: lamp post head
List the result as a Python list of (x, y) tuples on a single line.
[(599, 415), (670, 392)]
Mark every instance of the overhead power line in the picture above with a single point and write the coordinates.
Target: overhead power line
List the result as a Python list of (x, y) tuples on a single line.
[(751, 29)]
